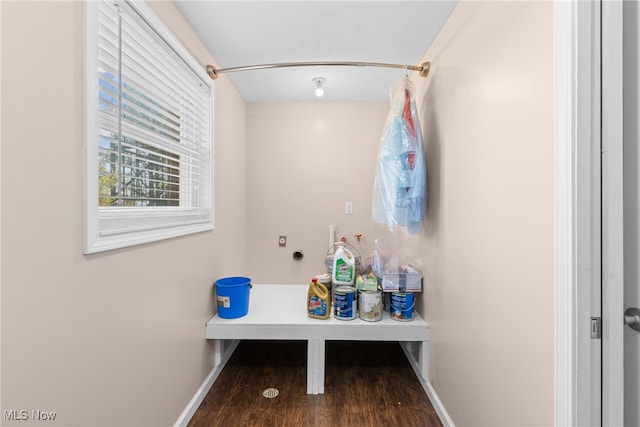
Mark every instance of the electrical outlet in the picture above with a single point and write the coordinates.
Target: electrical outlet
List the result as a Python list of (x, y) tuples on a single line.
[(348, 208), (282, 241)]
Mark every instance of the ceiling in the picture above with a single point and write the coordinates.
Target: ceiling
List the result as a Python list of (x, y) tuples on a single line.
[(239, 33)]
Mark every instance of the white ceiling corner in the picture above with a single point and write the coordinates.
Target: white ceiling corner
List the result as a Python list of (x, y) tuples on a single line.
[(239, 33)]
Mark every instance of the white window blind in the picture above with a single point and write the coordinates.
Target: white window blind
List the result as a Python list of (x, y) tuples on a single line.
[(148, 130)]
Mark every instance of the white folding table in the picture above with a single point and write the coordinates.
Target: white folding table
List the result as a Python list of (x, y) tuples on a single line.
[(278, 312)]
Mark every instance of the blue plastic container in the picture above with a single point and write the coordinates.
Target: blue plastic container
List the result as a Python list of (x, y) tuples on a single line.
[(232, 296)]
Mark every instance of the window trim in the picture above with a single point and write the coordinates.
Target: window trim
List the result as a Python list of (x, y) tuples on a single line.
[(96, 240)]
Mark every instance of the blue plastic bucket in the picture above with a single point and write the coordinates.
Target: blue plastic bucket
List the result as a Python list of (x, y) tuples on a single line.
[(232, 296)]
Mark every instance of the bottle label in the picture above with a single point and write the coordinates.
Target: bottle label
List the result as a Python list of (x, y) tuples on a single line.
[(344, 271), (317, 306)]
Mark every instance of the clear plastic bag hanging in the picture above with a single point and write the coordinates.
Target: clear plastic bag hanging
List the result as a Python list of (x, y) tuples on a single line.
[(400, 190)]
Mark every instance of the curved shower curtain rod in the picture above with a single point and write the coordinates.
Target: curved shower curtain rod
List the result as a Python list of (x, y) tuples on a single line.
[(423, 68)]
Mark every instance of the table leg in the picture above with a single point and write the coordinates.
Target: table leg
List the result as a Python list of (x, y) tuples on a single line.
[(320, 379), (315, 366), (423, 362), (217, 352)]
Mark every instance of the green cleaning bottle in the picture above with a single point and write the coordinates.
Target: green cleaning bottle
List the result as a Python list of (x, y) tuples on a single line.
[(343, 267)]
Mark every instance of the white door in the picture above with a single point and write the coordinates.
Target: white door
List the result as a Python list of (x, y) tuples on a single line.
[(631, 82), (597, 115)]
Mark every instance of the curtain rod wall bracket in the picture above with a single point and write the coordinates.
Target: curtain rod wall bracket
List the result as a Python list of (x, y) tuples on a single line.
[(426, 66), (423, 68), (213, 73)]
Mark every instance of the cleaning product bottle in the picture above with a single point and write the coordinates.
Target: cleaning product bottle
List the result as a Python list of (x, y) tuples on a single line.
[(318, 300), (344, 266)]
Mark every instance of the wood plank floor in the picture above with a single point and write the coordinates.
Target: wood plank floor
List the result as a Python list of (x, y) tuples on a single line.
[(366, 384)]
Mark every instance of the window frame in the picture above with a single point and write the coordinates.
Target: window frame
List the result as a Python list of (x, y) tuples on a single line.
[(140, 225)]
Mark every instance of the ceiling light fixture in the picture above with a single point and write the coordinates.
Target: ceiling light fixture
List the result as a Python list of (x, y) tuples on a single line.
[(319, 81)]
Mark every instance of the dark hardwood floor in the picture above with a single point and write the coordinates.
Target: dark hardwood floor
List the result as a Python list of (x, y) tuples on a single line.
[(366, 384)]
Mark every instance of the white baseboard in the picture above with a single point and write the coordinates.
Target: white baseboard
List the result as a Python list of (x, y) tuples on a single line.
[(208, 382), (445, 419)]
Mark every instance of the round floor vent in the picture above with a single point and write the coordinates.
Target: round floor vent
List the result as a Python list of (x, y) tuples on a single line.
[(270, 393)]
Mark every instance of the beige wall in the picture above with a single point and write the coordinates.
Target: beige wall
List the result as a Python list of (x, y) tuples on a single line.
[(115, 338), (487, 118), (304, 161)]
